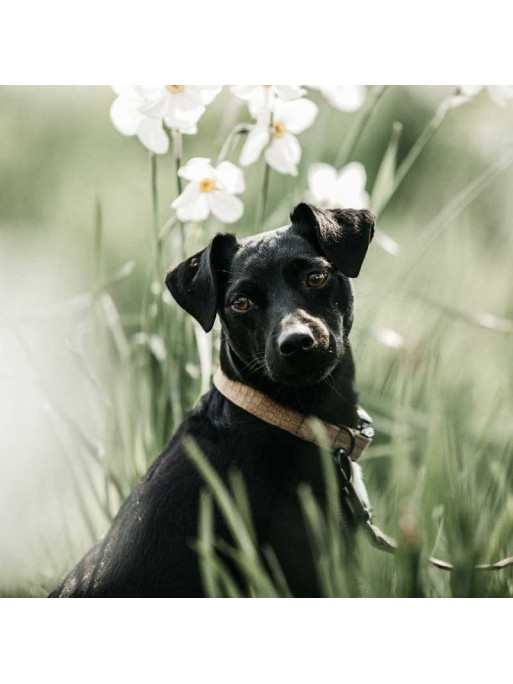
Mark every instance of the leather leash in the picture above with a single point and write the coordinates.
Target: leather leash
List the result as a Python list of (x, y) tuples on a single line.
[(347, 445)]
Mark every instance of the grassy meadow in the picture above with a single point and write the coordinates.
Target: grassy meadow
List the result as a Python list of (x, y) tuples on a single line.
[(99, 365)]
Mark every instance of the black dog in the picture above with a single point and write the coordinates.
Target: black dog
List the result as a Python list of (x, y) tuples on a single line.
[(286, 306)]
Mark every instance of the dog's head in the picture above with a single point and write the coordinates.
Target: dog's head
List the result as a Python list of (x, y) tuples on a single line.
[(284, 297)]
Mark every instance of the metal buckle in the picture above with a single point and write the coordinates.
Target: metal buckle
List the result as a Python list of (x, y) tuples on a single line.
[(366, 430)]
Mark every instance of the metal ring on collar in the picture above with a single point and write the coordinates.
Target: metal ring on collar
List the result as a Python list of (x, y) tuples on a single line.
[(352, 441)]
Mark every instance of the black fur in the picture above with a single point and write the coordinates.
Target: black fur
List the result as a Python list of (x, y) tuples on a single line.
[(148, 549)]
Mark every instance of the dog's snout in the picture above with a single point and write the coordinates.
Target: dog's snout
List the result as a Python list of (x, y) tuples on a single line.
[(298, 346), (292, 341)]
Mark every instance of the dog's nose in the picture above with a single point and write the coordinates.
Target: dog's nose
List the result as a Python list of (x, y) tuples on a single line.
[(291, 342)]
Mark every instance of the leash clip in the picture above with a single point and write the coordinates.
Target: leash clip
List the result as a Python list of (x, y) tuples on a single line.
[(343, 460), (358, 506)]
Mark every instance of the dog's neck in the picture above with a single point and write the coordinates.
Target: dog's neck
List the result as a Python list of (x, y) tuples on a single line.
[(333, 400)]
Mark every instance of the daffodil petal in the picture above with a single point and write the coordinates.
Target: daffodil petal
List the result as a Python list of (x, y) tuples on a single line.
[(152, 135), (260, 99), (231, 177), (322, 183), (122, 89), (283, 154), (350, 186), (347, 98), (186, 104), (296, 115), (289, 92), (157, 105), (189, 98), (196, 169), (209, 92), (189, 195), (192, 204), (226, 207), (181, 119), (124, 115), (257, 139), (188, 130), (262, 106), (500, 93), (244, 92)]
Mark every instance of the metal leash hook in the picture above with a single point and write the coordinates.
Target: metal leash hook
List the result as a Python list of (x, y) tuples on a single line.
[(358, 507), (343, 460)]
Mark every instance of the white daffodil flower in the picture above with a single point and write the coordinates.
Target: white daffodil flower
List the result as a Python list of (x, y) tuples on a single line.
[(338, 189), (277, 133), (344, 189), (181, 106), (210, 190), (141, 109), (127, 115), (498, 93), (347, 98), (261, 98)]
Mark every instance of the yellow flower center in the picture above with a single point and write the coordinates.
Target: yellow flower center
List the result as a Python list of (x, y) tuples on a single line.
[(175, 89), (278, 129), (206, 185)]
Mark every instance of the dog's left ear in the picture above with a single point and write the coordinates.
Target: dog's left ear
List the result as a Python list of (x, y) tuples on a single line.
[(343, 235), (195, 282)]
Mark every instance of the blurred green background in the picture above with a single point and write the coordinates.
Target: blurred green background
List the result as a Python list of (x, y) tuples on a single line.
[(98, 365)]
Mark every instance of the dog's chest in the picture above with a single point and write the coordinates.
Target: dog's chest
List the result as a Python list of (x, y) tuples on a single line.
[(275, 478)]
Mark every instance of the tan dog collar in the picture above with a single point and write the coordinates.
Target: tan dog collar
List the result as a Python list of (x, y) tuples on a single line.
[(353, 441)]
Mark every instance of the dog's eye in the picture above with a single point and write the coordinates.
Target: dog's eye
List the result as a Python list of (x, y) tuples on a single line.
[(316, 279), (242, 304)]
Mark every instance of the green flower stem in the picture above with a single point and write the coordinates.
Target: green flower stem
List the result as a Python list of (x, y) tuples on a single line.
[(155, 207), (265, 189), (178, 157), (157, 275), (355, 133), (146, 322), (225, 151), (180, 381), (265, 194)]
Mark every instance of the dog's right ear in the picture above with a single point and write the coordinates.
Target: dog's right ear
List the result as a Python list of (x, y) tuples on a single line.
[(343, 235), (195, 282)]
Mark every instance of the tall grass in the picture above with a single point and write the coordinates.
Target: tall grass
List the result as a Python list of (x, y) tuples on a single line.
[(440, 471)]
